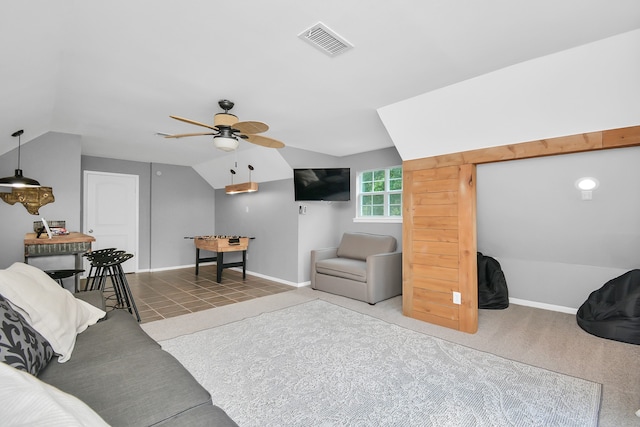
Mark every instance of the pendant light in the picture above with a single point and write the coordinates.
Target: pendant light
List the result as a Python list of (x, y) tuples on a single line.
[(18, 181), (245, 187)]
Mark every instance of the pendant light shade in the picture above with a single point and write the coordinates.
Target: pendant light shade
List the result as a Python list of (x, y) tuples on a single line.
[(245, 187), (18, 180)]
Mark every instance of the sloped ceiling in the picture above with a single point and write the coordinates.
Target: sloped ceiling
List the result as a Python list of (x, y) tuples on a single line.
[(113, 72), (589, 88)]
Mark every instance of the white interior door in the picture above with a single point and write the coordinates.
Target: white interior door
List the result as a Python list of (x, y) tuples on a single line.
[(111, 213)]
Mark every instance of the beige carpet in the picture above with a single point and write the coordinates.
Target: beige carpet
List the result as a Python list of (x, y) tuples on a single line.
[(537, 337)]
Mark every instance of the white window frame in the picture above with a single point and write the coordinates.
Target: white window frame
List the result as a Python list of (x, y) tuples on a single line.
[(386, 218)]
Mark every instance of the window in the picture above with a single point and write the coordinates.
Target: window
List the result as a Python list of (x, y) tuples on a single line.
[(380, 195)]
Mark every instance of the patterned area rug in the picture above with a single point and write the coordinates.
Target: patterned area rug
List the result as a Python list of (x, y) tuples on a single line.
[(318, 364)]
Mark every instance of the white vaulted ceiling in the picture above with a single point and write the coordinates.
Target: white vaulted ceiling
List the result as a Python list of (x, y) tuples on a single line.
[(113, 72)]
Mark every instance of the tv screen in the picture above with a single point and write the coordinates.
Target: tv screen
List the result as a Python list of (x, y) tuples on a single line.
[(329, 184)]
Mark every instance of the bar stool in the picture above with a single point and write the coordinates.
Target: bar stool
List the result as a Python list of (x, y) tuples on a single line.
[(95, 270), (91, 255), (109, 264), (58, 275)]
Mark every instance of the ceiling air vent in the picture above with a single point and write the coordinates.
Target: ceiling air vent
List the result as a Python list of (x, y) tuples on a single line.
[(325, 39)]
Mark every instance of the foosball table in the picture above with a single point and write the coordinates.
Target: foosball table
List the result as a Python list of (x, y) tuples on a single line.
[(220, 245)]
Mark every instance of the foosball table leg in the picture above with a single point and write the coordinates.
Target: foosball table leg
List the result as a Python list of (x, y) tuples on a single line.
[(219, 267), (197, 261), (244, 265)]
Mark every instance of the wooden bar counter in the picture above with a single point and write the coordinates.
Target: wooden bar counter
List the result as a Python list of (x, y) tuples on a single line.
[(69, 244)]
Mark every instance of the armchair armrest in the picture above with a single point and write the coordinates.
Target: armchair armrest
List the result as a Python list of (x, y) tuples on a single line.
[(326, 253), (384, 276), (318, 255)]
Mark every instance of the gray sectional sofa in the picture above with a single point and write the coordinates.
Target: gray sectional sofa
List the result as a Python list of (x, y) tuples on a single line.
[(126, 377)]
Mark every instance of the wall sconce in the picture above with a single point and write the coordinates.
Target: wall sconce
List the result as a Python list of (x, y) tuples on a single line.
[(17, 180), (586, 185), (245, 187)]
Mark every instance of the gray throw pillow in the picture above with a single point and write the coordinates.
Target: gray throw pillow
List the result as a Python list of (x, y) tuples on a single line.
[(21, 346)]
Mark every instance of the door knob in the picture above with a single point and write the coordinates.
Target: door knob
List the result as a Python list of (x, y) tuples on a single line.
[(90, 230)]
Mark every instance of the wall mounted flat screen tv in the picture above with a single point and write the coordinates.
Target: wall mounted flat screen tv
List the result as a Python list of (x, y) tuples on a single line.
[(328, 184)]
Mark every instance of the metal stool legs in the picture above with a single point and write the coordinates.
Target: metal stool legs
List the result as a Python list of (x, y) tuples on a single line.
[(121, 286), (95, 275), (109, 264)]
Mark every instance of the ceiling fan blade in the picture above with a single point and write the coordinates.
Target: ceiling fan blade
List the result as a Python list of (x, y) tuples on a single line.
[(251, 127), (182, 135), (193, 122), (264, 141)]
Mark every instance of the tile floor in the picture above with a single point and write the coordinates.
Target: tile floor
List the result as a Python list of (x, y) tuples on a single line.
[(164, 294)]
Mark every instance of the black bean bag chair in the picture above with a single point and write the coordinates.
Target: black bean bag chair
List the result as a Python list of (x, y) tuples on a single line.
[(613, 311), (493, 293)]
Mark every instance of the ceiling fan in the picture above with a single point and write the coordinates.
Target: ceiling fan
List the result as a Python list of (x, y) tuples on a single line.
[(226, 130)]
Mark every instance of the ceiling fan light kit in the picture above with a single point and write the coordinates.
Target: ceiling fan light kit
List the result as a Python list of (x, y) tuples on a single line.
[(18, 180), (227, 129), (225, 143)]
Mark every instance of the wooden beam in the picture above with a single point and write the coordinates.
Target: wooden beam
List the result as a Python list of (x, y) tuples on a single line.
[(624, 137), (468, 247), (614, 138)]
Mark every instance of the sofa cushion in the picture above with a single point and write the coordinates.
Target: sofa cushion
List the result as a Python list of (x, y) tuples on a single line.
[(27, 401), (114, 338), (95, 298), (21, 346), (361, 245), (125, 376), (140, 389), (343, 267), (50, 309)]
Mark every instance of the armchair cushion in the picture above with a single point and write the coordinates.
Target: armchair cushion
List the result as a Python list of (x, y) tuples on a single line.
[(343, 267), (361, 245)]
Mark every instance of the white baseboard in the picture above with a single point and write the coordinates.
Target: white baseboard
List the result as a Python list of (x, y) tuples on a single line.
[(273, 279), (263, 276), (544, 306), (517, 301), (177, 267)]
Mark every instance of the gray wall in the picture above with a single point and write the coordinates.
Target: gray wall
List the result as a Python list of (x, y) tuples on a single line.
[(326, 222), (182, 205), (554, 247), (175, 202), (384, 158), (54, 160), (320, 226), (100, 164), (270, 216), (286, 236)]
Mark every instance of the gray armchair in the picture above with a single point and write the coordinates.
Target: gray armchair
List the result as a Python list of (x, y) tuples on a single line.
[(364, 267)]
